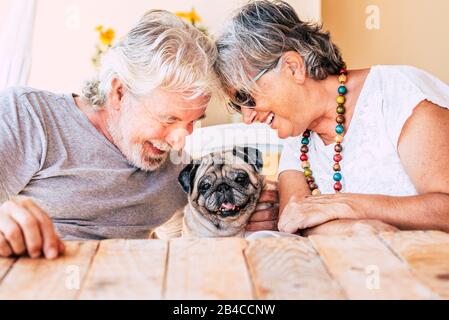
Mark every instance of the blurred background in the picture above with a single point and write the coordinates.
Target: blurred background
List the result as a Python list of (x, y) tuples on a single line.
[(56, 42)]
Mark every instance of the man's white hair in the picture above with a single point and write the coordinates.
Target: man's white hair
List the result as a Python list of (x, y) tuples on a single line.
[(161, 51)]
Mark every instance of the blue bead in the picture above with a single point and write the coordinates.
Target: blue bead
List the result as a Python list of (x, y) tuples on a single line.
[(340, 129), (342, 90), (305, 141), (338, 176)]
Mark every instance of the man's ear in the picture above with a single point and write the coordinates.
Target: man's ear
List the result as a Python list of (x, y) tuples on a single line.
[(251, 156), (294, 65), (116, 94), (187, 177)]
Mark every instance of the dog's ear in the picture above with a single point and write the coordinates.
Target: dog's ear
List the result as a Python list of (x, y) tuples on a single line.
[(250, 155), (187, 177)]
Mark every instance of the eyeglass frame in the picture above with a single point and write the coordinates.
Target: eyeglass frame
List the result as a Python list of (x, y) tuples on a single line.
[(238, 108)]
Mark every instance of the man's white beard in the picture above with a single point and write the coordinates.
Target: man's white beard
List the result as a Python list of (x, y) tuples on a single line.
[(134, 153)]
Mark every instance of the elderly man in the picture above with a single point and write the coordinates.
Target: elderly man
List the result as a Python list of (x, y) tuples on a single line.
[(95, 167)]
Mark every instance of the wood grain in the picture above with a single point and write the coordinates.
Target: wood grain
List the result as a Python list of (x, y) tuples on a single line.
[(207, 269), (127, 269), (367, 269), (289, 268), (5, 266), (427, 254), (41, 279)]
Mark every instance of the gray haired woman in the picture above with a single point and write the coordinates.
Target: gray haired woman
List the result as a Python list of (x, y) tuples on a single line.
[(366, 148)]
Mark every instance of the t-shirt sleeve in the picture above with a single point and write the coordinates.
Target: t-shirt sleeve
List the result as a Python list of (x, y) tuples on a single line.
[(290, 156), (21, 142), (403, 90)]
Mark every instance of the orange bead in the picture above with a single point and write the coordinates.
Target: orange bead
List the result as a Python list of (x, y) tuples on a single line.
[(342, 78), (339, 138)]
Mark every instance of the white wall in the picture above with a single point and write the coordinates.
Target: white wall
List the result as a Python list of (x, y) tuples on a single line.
[(64, 37)]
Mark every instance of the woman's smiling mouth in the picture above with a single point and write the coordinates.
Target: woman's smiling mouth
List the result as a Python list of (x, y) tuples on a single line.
[(270, 119)]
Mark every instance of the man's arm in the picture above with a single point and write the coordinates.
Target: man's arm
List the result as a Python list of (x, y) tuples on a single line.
[(24, 227)]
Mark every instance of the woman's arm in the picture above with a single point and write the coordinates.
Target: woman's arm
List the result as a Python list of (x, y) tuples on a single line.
[(292, 184), (424, 151)]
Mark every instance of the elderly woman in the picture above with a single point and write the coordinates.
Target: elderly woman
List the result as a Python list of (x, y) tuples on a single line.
[(367, 145)]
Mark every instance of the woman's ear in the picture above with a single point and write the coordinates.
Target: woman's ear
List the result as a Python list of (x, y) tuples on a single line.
[(294, 65), (116, 94)]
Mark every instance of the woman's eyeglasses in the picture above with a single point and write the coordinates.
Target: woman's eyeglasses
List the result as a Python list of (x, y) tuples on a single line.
[(244, 99)]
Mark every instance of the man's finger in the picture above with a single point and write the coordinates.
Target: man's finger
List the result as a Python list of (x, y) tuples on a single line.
[(265, 215), (269, 196), (12, 234), (49, 237), (5, 249), (30, 230), (61, 247), (260, 226)]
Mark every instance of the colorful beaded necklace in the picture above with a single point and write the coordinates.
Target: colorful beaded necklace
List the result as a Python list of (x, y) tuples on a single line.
[(340, 129)]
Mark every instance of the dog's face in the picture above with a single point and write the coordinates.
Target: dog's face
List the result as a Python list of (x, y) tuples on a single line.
[(224, 187)]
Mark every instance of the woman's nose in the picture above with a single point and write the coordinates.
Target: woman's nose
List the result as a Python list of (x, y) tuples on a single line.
[(249, 115)]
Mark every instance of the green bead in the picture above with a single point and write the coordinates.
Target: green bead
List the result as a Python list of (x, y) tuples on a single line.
[(342, 90), (340, 129), (305, 141), (308, 172), (341, 110), (338, 176)]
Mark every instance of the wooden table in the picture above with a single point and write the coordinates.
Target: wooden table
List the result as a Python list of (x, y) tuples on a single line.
[(403, 265)]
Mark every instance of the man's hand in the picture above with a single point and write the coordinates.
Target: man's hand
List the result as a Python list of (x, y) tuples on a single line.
[(26, 229), (267, 212), (316, 210)]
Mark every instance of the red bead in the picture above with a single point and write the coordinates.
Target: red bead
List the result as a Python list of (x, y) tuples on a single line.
[(304, 149), (304, 157), (306, 134), (338, 186), (338, 158), (343, 71), (310, 179)]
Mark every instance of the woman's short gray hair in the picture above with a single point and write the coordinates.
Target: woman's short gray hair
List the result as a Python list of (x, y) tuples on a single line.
[(260, 33), (161, 51)]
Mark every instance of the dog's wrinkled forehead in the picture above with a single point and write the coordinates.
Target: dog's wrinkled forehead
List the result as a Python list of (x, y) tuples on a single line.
[(218, 160)]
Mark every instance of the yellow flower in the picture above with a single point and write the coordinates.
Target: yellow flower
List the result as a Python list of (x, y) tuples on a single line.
[(106, 37), (192, 16)]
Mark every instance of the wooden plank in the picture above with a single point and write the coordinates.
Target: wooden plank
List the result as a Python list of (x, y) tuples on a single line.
[(127, 269), (207, 269), (427, 254), (289, 268), (42, 279), (367, 269)]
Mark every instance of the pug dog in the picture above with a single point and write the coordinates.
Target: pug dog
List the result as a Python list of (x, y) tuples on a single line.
[(223, 190)]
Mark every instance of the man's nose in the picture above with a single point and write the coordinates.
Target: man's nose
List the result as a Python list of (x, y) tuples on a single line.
[(249, 115), (177, 138)]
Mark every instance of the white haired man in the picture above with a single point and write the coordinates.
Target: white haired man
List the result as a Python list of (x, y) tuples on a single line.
[(94, 167)]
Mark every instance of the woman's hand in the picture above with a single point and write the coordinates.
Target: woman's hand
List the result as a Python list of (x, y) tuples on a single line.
[(26, 229), (267, 212), (350, 227), (313, 211)]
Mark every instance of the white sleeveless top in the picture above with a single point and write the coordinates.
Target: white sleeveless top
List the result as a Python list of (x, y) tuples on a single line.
[(371, 163)]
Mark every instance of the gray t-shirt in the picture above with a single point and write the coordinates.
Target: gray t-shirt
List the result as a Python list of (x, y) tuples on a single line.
[(51, 152)]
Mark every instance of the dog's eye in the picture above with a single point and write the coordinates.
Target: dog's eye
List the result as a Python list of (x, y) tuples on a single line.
[(204, 187), (241, 178)]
